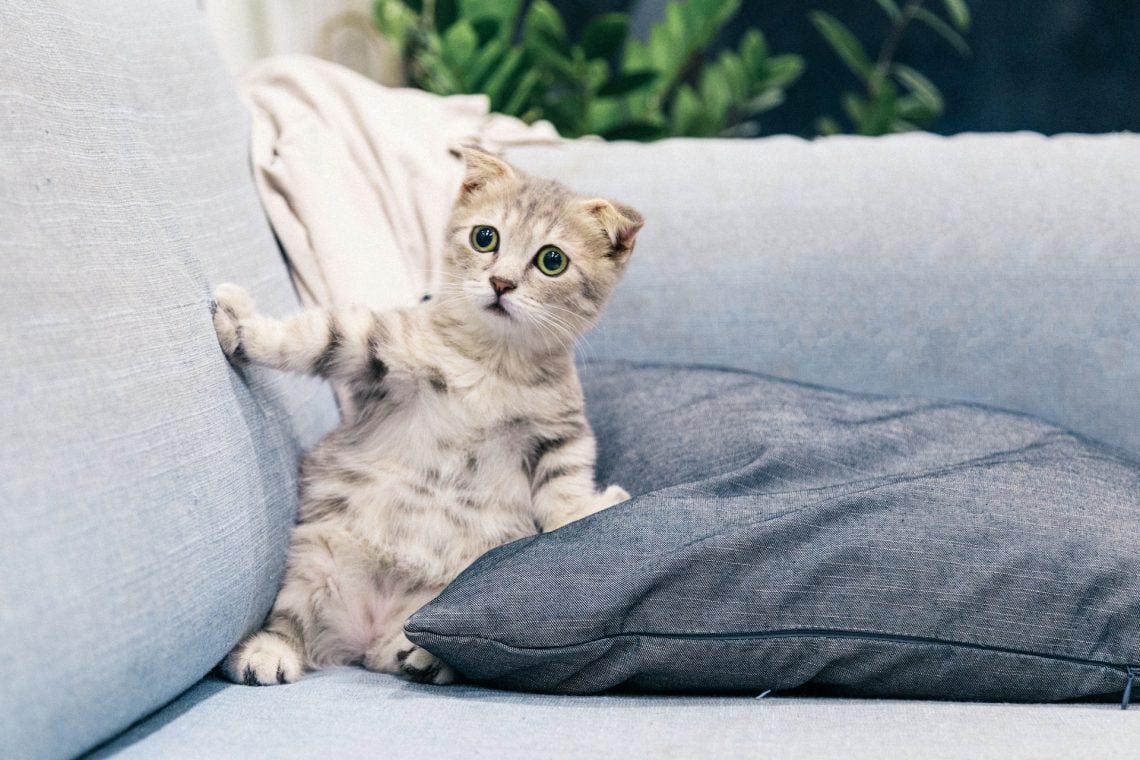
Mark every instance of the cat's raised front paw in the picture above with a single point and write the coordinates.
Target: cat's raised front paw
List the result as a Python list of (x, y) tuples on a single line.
[(263, 660), (231, 305)]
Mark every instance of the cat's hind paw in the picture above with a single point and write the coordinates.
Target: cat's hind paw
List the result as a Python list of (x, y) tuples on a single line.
[(263, 660), (418, 664), (231, 305), (614, 495)]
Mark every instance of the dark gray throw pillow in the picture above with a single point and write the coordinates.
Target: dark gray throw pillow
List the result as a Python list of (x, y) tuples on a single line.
[(783, 535)]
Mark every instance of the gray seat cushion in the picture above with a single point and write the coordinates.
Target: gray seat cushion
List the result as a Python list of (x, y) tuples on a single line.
[(350, 713), (146, 489), (783, 535)]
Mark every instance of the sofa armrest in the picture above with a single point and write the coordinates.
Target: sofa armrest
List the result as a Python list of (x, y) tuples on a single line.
[(1001, 269)]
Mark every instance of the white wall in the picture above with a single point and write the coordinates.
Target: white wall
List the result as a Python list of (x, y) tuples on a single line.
[(338, 30)]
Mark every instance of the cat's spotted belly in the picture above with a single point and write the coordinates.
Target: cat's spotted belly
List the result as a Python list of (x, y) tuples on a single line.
[(465, 429), (390, 548)]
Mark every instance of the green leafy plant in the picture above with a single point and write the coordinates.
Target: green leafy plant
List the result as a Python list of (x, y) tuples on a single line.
[(896, 98), (520, 55)]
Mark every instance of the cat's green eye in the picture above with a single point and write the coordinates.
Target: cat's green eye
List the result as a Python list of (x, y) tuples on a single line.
[(484, 238), (551, 261)]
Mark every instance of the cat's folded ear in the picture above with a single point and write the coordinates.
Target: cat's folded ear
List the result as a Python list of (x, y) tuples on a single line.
[(620, 222), (481, 168)]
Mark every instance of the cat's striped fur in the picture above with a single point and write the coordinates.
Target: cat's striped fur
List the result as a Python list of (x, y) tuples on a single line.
[(464, 428)]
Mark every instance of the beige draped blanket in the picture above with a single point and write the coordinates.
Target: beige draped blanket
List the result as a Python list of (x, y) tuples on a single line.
[(358, 179)]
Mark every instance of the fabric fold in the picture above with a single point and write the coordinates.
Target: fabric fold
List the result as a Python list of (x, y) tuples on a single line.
[(358, 179)]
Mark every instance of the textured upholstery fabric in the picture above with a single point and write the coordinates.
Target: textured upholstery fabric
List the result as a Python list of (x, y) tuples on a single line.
[(783, 535), (1001, 269), (355, 714), (146, 489)]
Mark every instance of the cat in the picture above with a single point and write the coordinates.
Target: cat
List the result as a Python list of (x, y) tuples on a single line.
[(466, 427)]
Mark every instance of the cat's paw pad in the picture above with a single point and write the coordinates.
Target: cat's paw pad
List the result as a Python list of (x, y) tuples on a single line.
[(231, 305), (264, 660), (614, 495), (418, 664)]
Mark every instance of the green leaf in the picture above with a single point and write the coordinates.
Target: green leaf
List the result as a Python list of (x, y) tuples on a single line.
[(544, 20), (687, 112), (676, 25), (827, 126), (881, 114), (959, 13), (754, 51), (765, 101), (914, 110), (636, 55), (783, 70), (749, 128), (496, 84), (626, 82), (395, 21), (597, 72), (558, 64), (687, 29), (668, 46), (855, 108), (457, 45), (844, 43), (901, 125), (891, 8), (433, 75), (719, 12), (944, 30), (919, 86), (519, 101), (604, 35), (716, 93), (483, 65), (603, 114), (635, 130), (503, 11), (733, 71)]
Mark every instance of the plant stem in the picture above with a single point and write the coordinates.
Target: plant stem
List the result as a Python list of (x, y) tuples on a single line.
[(519, 19), (891, 46), (692, 65)]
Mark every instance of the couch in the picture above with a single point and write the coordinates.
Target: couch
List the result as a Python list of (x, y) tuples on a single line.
[(147, 488)]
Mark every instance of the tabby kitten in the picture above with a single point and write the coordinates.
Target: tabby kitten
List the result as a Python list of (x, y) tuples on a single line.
[(465, 429)]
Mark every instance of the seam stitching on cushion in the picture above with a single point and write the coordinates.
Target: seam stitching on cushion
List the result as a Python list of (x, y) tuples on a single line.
[(809, 633)]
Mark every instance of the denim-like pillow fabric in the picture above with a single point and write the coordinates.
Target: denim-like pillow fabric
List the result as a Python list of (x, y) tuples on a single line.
[(782, 535)]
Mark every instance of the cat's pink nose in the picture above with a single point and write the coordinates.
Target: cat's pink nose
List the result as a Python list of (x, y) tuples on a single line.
[(502, 286)]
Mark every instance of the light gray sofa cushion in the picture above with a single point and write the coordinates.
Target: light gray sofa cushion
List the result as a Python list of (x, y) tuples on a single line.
[(1001, 269), (783, 535), (146, 490), (351, 713)]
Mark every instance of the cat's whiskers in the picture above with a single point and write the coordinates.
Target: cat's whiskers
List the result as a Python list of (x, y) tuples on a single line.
[(567, 336), (446, 273), (552, 335), (580, 339), (561, 334), (575, 338), (447, 282)]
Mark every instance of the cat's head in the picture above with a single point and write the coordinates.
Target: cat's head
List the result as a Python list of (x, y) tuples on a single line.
[(529, 260)]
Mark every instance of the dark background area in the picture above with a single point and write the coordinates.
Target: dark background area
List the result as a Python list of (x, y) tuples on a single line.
[(1044, 65)]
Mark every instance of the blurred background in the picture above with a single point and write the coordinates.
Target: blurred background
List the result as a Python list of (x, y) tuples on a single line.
[(641, 69)]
